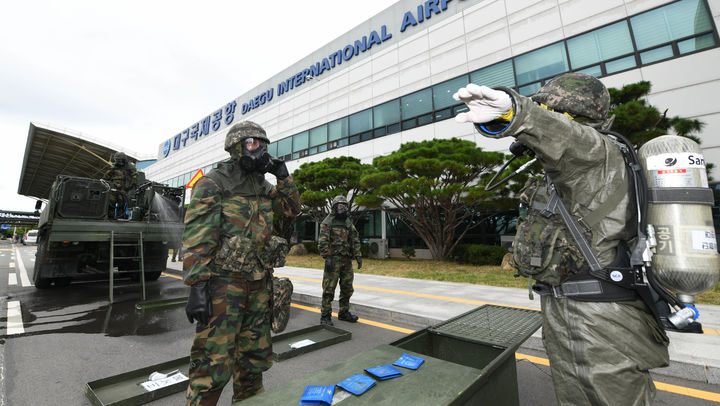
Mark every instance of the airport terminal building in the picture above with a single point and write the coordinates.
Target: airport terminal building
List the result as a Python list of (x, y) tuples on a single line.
[(390, 80)]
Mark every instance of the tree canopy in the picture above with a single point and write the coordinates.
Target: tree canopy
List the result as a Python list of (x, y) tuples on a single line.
[(640, 122), (319, 182), (437, 187)]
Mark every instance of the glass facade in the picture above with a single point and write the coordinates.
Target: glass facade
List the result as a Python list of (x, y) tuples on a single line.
[(542, 63), (666, 32), (600, 45)]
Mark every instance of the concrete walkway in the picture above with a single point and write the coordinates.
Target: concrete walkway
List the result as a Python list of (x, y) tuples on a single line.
[(421, 303)]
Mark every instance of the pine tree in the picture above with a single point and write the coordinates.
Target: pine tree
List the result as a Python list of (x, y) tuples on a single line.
[(640, 122)]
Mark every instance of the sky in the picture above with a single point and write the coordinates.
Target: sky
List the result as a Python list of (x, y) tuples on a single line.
[(134, 73)]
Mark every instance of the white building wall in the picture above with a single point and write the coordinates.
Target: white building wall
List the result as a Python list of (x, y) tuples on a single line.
[(478, 36)]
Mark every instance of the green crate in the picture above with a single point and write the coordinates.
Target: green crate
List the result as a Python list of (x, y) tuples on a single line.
[(322, 335), (125, 390), (469, 360)]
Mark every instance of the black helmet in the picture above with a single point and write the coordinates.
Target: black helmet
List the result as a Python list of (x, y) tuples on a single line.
[(577, 94), (241, 131)]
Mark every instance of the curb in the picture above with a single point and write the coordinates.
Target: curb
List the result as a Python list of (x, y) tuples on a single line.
[(676, 369), (3, 305)]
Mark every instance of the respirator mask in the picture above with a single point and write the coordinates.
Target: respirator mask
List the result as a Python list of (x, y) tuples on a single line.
[(341, 211), (254, 156)]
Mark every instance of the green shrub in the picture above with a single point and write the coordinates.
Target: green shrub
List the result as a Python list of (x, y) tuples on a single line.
[(479, 254), (408, 251), (311, 247)]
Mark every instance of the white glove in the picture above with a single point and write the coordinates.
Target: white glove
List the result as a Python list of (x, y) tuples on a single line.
[(485, 104)]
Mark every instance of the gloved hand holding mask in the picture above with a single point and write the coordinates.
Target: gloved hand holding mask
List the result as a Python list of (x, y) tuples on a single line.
[(278, 168), (485, 104)]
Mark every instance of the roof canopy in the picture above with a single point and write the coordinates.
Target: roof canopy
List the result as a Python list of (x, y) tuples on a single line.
[(51, 151)]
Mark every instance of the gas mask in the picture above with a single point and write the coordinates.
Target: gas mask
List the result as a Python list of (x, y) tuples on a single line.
[(341, 211), (254, 156)]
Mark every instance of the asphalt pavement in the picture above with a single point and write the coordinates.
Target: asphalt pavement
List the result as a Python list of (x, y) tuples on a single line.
[(54, 341)]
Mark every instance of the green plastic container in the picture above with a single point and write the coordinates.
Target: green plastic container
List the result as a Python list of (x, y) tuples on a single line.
[(125, 389), (321, 335), (469, 360)]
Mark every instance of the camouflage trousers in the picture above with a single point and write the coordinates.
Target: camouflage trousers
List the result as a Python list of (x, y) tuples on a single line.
[(342, 271), (236, 342)]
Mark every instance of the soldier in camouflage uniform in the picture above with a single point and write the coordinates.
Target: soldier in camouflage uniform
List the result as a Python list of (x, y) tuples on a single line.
[(122, 177), (229, 256), (338, 243), (600, 349)]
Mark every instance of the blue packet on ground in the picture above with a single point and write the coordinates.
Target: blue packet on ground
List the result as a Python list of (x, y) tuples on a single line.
[(384, 372), (318, 395), (357, 384), (408, 361)]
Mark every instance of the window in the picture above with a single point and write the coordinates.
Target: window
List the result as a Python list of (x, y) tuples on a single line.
[(272, 149), (696, 44), (318, 136), (360, 121), (386, 113), (416, 104), (669, 23), (300, 141), (529, 90), (657, 54), (593, 70), (442, 93), (543, 63), (500, 74), (284, 147), (337, 129), (600, 45), (620, 64)]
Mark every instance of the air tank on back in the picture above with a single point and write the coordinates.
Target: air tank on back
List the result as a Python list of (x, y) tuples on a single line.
[(686, 258)]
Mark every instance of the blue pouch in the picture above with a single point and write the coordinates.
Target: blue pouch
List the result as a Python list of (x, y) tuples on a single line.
[(357, 384), (409, 361), (318, 395), (384, 372)]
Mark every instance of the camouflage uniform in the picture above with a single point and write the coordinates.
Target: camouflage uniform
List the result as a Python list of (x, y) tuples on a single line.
[(340, 241), (600, 352), (229, 202), (123, 181)]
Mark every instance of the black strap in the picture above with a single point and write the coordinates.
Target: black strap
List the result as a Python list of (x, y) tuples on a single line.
[(556, 203), (586, 288)]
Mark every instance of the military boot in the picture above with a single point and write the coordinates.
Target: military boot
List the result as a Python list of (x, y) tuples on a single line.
[(326, 318), (347, 316)]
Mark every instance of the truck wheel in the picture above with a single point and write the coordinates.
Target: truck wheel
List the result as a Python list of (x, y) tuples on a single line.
[(62, 282), (38, 281), (42, 283)]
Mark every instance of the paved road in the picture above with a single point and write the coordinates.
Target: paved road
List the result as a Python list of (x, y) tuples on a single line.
[(54, 341)]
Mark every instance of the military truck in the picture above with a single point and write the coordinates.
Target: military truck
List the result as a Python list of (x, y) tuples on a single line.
[(81, 236)]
